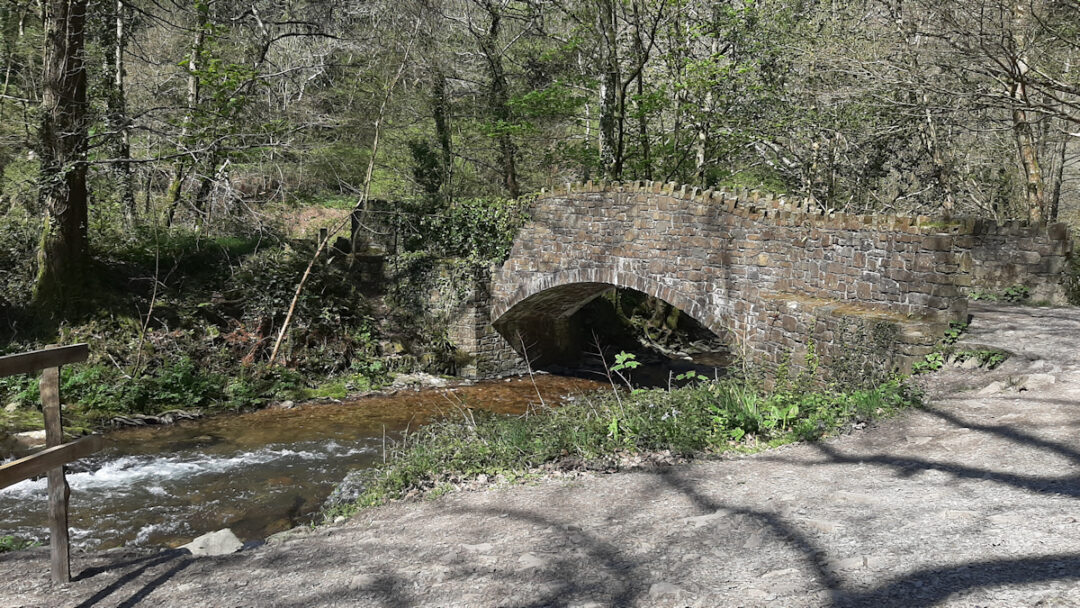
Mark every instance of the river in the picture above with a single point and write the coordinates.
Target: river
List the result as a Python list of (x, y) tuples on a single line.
[(256, 473)]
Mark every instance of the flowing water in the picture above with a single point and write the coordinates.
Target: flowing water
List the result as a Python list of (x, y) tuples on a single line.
[(256, 473)]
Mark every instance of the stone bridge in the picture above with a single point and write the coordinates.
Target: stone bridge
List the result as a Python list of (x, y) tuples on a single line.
[(770, 276)]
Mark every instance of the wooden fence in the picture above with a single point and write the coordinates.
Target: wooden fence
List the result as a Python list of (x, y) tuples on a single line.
[(56, 454)]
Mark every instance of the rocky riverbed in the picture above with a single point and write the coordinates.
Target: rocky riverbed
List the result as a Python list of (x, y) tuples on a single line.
[(972, 501)]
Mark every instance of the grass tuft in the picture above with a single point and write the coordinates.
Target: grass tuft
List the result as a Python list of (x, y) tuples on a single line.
[(599, 429)]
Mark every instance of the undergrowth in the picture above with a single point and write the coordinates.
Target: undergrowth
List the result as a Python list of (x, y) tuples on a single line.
[(12, 543), (186, 317), (598, 429), (186, 321)]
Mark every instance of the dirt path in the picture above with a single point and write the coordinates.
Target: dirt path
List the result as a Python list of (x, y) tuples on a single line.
[(974, 501)]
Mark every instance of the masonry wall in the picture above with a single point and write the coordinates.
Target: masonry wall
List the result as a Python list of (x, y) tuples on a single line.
[(765, 272), (1010, 254), (485, 352)]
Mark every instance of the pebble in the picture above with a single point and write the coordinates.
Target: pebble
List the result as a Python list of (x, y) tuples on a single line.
[(361, 581), (851, 563), (659, 590), (529, 561), (704, 520), (821, 525), (958, 514)]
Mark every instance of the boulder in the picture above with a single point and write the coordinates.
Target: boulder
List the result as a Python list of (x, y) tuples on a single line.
[(222, 542), (1035, 382), (30, 440)]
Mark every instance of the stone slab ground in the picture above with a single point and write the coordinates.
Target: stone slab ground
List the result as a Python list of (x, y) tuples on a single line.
[(973, 501)]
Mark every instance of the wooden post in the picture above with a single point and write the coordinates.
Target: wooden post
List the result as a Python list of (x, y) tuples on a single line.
[(59, 543), (56, 453), (354, 229)]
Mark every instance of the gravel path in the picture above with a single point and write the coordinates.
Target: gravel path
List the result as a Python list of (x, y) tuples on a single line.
[(974, 501)]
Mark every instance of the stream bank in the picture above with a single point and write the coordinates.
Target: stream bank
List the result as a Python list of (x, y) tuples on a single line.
[(967, 502), (258, 473)]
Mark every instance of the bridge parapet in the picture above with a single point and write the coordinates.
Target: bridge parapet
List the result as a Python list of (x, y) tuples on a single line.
[(772, 274)]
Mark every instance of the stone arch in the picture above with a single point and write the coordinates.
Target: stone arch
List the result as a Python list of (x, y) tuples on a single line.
[(538, 315)]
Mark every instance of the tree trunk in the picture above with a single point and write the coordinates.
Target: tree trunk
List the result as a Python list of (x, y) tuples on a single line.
[(193, 66), (499, 100), (643, 131), (1023, 129), (115, 41), (440, 109), (641, 56), (609, 83), (1061, 156), (64, 252)]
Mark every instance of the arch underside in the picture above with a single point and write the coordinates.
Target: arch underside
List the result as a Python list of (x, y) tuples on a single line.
[(539, 319)]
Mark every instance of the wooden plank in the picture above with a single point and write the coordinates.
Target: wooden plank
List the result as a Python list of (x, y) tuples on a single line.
[(27, 363), (50, 458), (49, 388)]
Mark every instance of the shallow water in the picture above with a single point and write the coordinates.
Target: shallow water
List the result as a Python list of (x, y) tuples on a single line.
[(256, 473)]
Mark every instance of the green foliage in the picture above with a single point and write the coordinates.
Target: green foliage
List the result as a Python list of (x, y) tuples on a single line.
[(944, 353), (625, 361), (556, 100), (197, 340), (952, 335), (988, 358), (19, 235), (991, 358), (479, 229), (11, 543), (596, 429), (930, 363), (1014, 294)]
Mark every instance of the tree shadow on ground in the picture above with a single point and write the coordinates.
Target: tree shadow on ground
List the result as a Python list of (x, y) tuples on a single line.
[(143, 564), (929, 586), (602, 553), (387, 589), (617, 577), (925, 588), (917, 589), (907, 466)]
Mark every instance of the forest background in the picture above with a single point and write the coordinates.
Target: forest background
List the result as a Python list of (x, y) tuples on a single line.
[(162, 161)]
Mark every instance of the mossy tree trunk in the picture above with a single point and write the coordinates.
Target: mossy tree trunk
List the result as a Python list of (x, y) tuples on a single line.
[(64, 252)]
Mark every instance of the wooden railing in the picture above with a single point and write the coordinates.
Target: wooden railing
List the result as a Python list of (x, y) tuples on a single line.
[(56, 454)]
